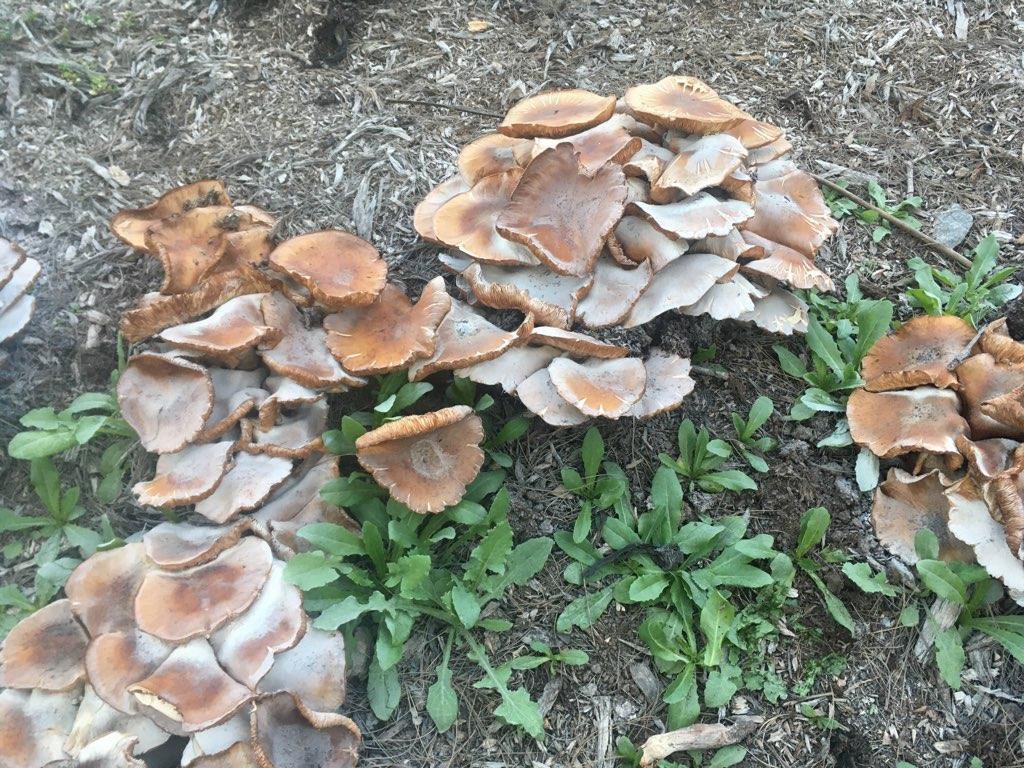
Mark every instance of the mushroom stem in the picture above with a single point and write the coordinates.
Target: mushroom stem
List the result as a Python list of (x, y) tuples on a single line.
[(442, 105), (935, 245)]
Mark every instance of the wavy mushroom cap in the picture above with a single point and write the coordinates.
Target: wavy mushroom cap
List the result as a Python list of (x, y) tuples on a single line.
[(614, 292), (609, 142), (642, 241), (1008, 409), (982, 381), (18, 282), (190, 246), (337, 268), (683, 103), (996, 341), (786, 265), (235, 394), (425, 461), (575, 343), (537, 392), (733, 245), (130, 226), (102, 588), (705, 163), (12, 256), (551, 298), (233, 329), (112, 750), (554, 114), (295, 437), (45, 651), (562, 215), (988, 458), (165, 398), (491, 154), (971, 521), (696, 217), (117, 660), (600, 387), (753, 134), (680, 284), (287, 735), (246, 485), (298, 491), (668, 383), (761, 156), (730, 300), (918, 352), (511, 368), (186, 476), (98, 720), (15, 317), (33, 725), (791, 211), (778, 312), (891, 424), (177, 546), (313, 671), (427, 208)]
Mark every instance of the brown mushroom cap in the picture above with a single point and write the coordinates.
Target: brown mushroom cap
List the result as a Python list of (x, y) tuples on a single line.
[(189, 691), (753, 134), (245, 486), (286, 735), (609, 142), (228, 334), (102, 588), (96, 719), (575, 343), (177, 546), (33, 725), (240, 755), (284, 393), (729, 300), (649, 161), (613, 293), (599, 387), (511, 368), (668, 382), (787, 265), (642, 241), (218, 740), (732, 245), (187, 476), (761, 156), (118, 660), (302, 353), (680, 284), (339, 269), (467, 221), (554, 114), (130, 226), (303, 487), (987, 458), (313, 671), (390, 333), (423, 216), (539, 395), (165, 398), (12, 256), (891, 424), (905, 504), (425, 461), (684, 103), (695, 217), (779, 312), (192, 603), (235, 394), (492, 154), (982, 379), (1007, 408), (705, 163), (46, 650), (791, 211), (996, 341), (550, 297), (295, 437), (971, 522), (562, 215), (919, 352)]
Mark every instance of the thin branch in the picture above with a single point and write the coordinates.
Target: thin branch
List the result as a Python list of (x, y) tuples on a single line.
[(705, 371), (442, 105), (968, 350), (932, 243)]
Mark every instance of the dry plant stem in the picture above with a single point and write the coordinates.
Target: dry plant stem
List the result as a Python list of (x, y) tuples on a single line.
[(699, 736), (935, 245), (442, 105), (967, 350), (704, 371), (943, 615), (603, 747)]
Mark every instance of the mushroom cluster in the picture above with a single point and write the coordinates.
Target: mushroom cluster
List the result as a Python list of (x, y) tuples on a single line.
[(953, 400), (191, 632), (18, 272), (584, 210)]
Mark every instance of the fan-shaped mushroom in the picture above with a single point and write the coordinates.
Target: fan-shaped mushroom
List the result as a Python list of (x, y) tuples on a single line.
[(734, 298), (609, 142), (779, 312), (791, 211), (176, 546), (313, 671), (45, 651), (642, 241), (683, 103), (614, 292), (33, 725), (599, 387), (423, 216), (996, 341), (971, 522), (250, 480), (575, 343), (302, 488), (98, 720), (786, 265), (338, 269), (117, 660), (131, 225), (891, 424), (234, 328), (680, 284), (235, 394), (550, 297), (295, 437), (538, 393), (983, 380), (511, 367), (918, 352), (705, 163), (491, 154), (102, 588), (668, 382), (186, 476), (554, 114), (695, 217), (286, 735)]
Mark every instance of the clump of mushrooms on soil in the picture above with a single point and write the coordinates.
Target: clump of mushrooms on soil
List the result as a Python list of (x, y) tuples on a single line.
[(587, 211), (18, 273), (945, 402)]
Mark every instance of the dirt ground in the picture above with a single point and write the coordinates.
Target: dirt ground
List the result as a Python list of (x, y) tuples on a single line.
[(302, 107)]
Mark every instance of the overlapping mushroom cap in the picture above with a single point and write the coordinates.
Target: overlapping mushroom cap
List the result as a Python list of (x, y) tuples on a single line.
[(18, 273)]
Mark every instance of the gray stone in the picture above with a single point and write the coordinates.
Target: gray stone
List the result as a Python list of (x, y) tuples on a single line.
[(952, 225)]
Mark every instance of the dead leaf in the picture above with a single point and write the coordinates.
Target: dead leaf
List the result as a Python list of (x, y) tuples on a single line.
[(478, 25), (698, 736)]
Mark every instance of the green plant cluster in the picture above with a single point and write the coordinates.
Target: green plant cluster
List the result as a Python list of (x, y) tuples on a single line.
[(842, 206)]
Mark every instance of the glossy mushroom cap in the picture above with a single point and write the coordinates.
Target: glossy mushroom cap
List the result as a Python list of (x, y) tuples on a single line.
[(555, 114), (339, 269)]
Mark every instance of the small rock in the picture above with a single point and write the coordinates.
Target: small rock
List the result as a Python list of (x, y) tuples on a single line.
[(952, 225), (647, 682)]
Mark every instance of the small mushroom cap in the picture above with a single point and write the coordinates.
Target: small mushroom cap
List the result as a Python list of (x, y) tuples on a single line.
[(668, 382), (96, 719), (423, 216), (16, 317), (186, 604), (187, 476), (791, 211), (295, 437), (987, 458), (19, 281), (706, 163), (575, 343), (302, 353), (390, 333), (284, 534), (112, 750), (240, 755), (680, 284), (102, 588), (600, 387), (649, 161), (972, 523), (609, 142), (684, 103), (918, 352), (339, 269), (740, 185), (286, 735), (235, 394), (165, 399), (228, 334), (302, 488), (729, 300), (284, 393), (996, 341), (217, 740), (779, 312), (45, 650), (177, 546), (732, 246), (245, 486), (511, 368), (787, 265), (982, 380), (12, 256), (562, 215), (614, 292), (905, 504), (427, 460), (313, 671), (539, 395), (696, 217), (892, 424), (190, 692), (550, 297), (33, 726), (753, 134), (118, 660), (130, 226), (1008, 408), (554, 114), (642, 242), (761, 156), (492, 154)]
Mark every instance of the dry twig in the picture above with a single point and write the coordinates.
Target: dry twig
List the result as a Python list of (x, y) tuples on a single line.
[(698, 736)]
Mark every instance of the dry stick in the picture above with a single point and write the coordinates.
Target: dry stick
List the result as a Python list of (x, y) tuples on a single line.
[(932, 243), (442, 105)]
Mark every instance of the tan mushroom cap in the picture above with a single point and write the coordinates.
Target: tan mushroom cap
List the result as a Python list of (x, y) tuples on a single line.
[(637, 190), (217, 740), (668, 383), (779, 312), (302, 353), (753, 134), (118, 660), (491, 154), (187, 476), (283, 535), (511, 368), (286, 735), (301, 489), (680, 284), (295, 437), (609, 142), (996, 341), (562, 215), (613, 294), (235, 394), (550, 297), (614, 249), (102, 588), (390, 333), (339, 269), (16, 317), (465, 338), (245, 250), (642, 241), (130, 226), (240, 755), (313, 671), (649, 161), (539, 395), (891, 424), (112, 750), (600, 387), (181, 605), (423, 216), (684, 103), (33, 725), (987, 458), (918, 352), (733, 245), (190, 245), (972, 523), (425, 461), (696, 217), (786, 265), (96, 719), (228, 334), (791, 211), (1007, 409), (554, 114), (468, 221), (706, 163), (732, 299), (189, 691), (983, 380), (165, 398), (177, 546), (284, 393), (249, 481), (12, 256), (575, 343), (905, 504), (18, 282), (46, 650), (767, 153)]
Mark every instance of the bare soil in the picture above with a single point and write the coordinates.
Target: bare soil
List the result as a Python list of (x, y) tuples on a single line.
[(321, 112)]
